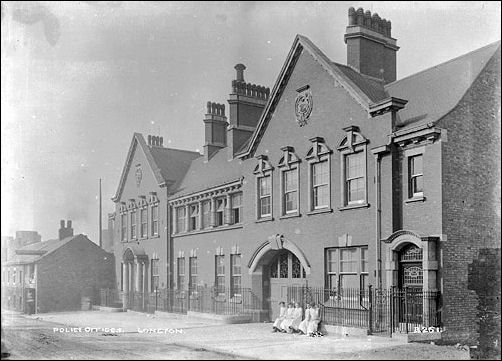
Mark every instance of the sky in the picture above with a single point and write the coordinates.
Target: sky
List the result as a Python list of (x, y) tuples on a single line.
[(79, 78)]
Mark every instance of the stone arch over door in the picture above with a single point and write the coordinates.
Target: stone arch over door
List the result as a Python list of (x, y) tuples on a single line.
[(259, 264), (404, 238)]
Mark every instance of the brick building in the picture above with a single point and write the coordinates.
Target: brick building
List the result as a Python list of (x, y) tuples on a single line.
[(341, 176), (54, 275)]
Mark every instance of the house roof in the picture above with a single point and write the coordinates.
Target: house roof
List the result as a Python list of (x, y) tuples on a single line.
[(434, 92), (36, 251), (167, 164), (202, 175)]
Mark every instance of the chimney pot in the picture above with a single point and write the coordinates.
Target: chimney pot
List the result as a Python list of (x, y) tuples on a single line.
[(68, 224), (61, 224), (240, 71), (150, 140), (161, 142), (352, 16)]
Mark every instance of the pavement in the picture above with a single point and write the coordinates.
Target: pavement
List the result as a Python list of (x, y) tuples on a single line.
[(243, 341)]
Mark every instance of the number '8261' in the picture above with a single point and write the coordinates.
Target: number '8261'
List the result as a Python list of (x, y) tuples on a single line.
[(427, 329)]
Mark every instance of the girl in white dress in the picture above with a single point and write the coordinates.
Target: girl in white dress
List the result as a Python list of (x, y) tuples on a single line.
[(282, 315), (315, 318), (297, 318), (289, 318), (302, 328)]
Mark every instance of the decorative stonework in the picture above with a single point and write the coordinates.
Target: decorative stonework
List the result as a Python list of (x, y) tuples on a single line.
[(139, 174), (303, 106)]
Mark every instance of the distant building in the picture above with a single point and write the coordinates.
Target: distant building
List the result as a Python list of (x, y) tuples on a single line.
[(54, 275), (6, 241), (23, 238)]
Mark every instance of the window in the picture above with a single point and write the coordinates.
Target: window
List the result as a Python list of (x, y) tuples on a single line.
[(154, 226), (286, 265), (194, 217), (220, 274), (206, 214), (347, 268), (237, 208), (181, 273), (14, 276), (264, 196), (235, 280), (180, 219), (133, 224), (416, 176), (290, 188), (155, 275), (355, 182), (220, 211), (192, 282), (123, 227), (144, 223), (353, 161), (320, 185)]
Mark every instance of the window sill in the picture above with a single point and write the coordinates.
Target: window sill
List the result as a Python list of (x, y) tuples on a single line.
[(290, 215), (319, 211), (264, 219), (207, 230), (415, 199), (354, 206)]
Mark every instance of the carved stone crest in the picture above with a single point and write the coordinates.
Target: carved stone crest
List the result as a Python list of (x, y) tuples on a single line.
[(303, 106), (139, 174)]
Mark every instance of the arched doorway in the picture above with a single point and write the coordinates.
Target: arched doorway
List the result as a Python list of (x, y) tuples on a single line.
[(276, 266), (285, 272)]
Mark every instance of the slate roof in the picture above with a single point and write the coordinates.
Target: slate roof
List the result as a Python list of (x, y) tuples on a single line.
[(169, 165), (202, 175), (36, 251), (434, 92)]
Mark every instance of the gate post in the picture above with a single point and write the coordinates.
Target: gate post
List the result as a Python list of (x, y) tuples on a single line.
[(391, 309), (370, 318)]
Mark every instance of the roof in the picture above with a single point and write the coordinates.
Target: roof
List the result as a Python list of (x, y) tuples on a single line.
[(167, 164), (203, 175), (36, 251), (434, 92)]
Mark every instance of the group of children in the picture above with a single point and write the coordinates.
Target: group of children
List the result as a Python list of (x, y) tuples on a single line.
[(290, 319)]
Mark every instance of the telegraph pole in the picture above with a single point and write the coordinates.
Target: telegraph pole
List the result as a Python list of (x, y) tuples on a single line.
[(100, 225)]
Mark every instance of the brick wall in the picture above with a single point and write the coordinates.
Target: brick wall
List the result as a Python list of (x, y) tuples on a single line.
[(77, 269), (471, 197)]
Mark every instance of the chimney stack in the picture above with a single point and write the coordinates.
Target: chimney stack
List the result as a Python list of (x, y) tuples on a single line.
[(246, 104), (65, 232), (155, 141), (215, 129), (371, 50)]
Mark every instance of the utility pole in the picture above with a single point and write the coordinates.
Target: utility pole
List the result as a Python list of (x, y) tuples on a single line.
[(100, 225)]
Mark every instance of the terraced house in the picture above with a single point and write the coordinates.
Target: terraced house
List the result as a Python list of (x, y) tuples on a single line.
[(340, 178)]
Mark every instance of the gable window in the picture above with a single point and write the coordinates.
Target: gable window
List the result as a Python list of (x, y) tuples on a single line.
[(416, 176), (133, 224), (155, 275), (144, 223), (154, 220), (220, 211), (319, 159), (264, 196), (235, 276), (192, 281), (123, 225), (355, 182), (180, 219), (181, 273), (194, 217), (220, 274), (353, 169), (263, 172), (289, 181), (236, 201)]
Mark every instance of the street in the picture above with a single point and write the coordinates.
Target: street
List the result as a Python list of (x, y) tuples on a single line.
[(25, 338), (83, 335)]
